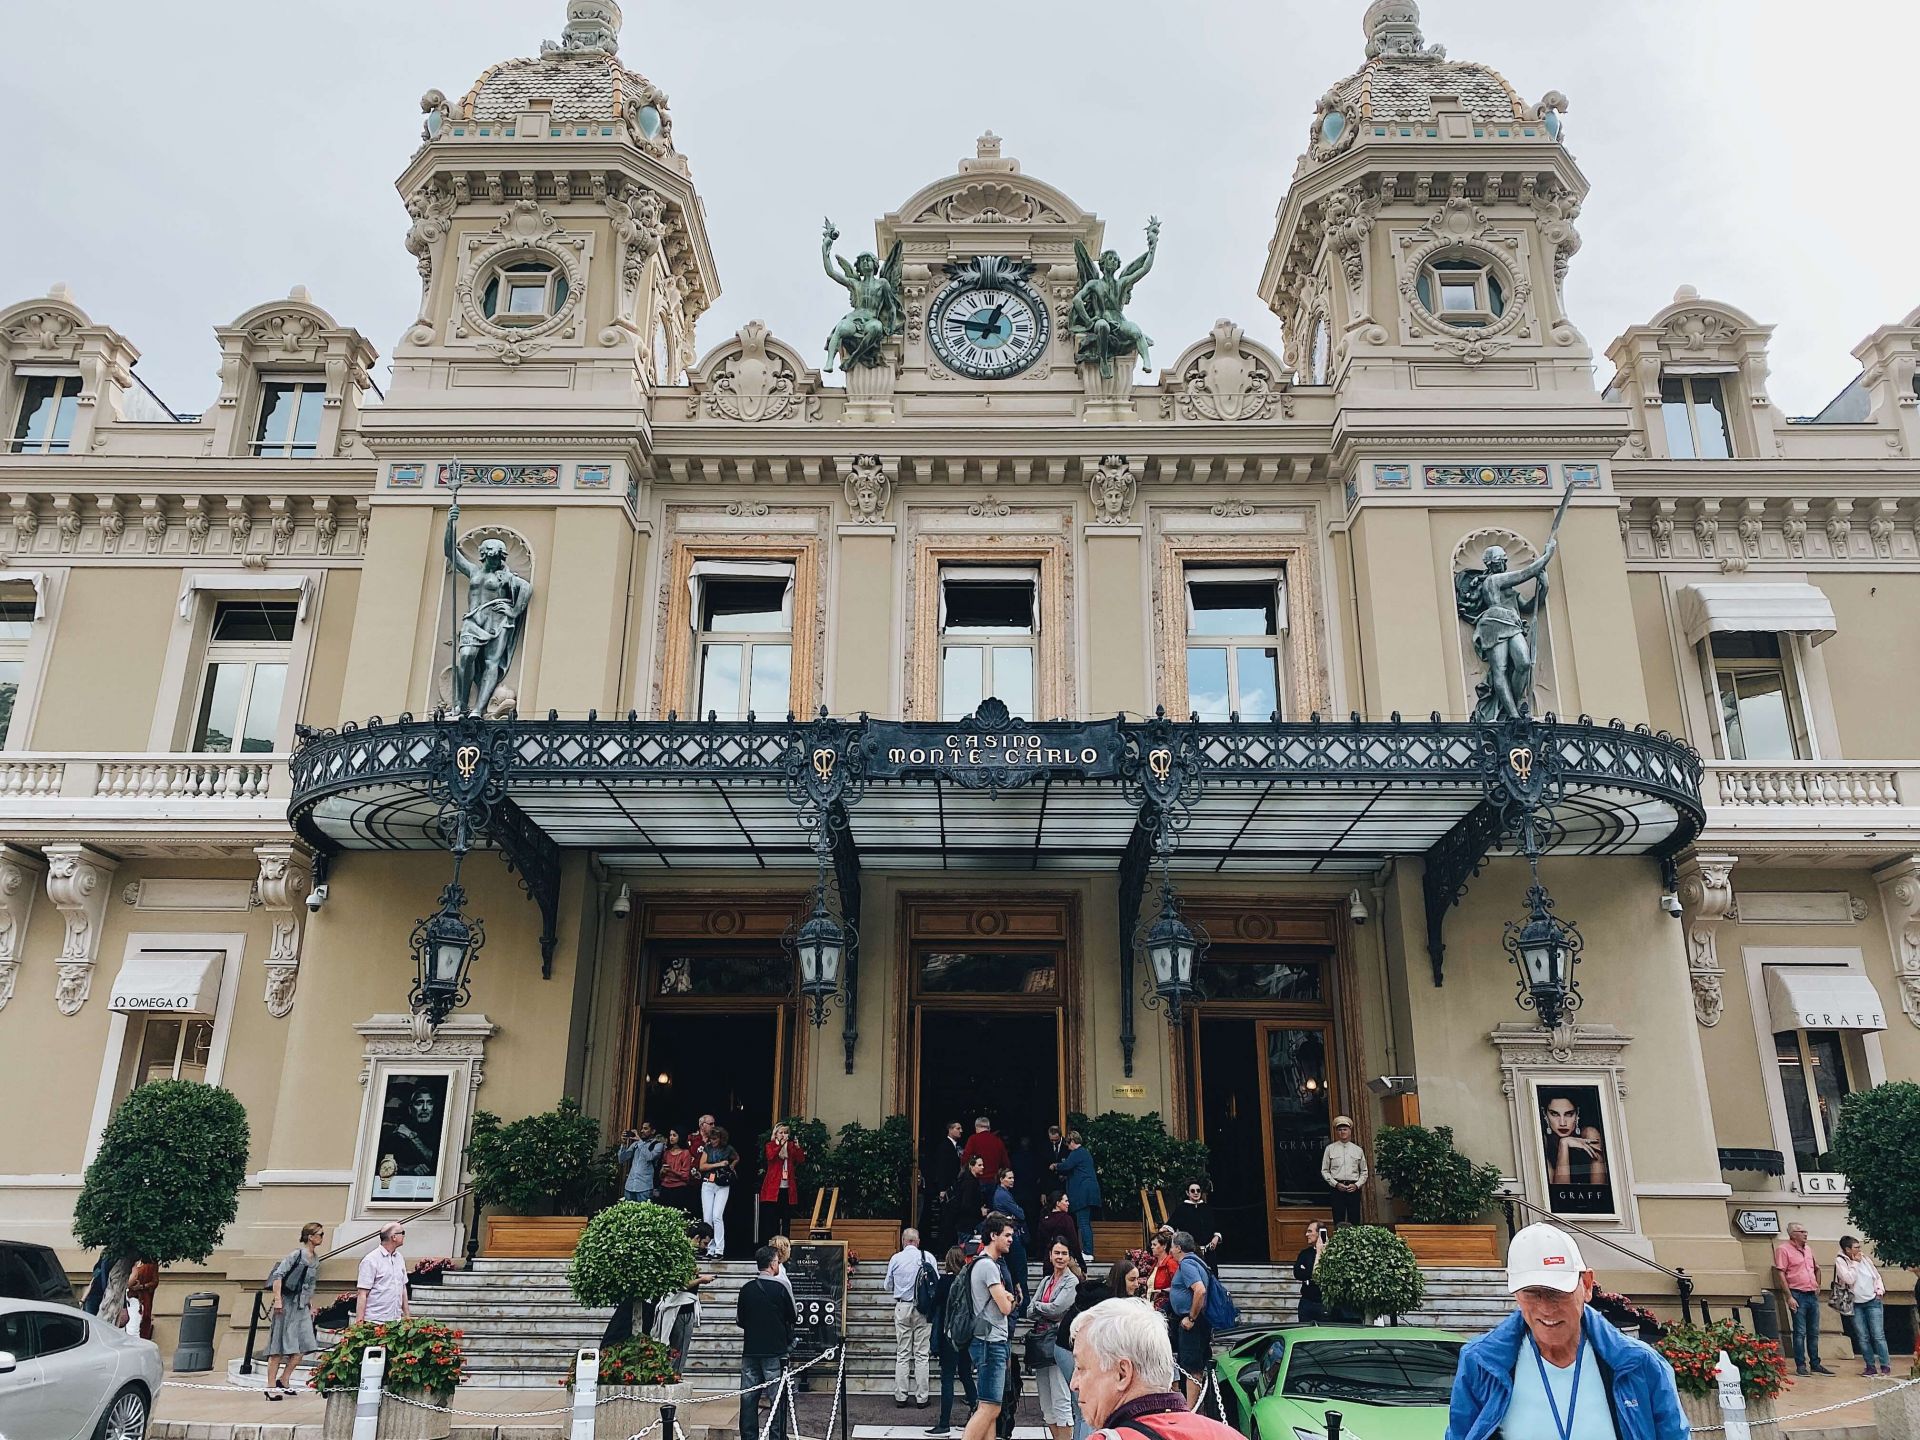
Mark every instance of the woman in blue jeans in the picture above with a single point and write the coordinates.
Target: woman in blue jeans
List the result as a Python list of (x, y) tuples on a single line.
[(1853, 1269), (952, 1361)]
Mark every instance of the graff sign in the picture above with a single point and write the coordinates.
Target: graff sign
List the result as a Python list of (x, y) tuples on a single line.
[(970, 754)]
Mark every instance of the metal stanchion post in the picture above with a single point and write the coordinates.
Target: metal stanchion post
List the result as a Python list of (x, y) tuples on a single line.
[(840, 1388), (586, 1381), (668, 1421), (366, 1405), (253, 1335)]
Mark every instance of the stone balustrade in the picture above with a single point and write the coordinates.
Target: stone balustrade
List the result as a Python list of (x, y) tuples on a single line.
[(1812, 785), (143, 777)]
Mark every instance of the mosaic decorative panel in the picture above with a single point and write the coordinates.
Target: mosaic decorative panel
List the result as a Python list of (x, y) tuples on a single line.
[(1486, 477), (593, 477), (406, 477), (1353, 494), (503, 477), (1581, 477), (1393, 477)]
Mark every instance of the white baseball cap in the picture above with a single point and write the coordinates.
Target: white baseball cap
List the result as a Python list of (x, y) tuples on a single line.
[(1544, 1255)]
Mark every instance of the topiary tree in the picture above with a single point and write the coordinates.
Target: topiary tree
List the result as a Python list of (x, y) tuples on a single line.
[(1439, 1185), (546, 1164), (1874, 1146), (166, 1183), (1369, 1270), (631, 1251)]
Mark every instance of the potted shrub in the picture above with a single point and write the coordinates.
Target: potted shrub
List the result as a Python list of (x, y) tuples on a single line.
[(428, 1272), (424, 1364), (874, 1169), (1694, 1353), (541, 1176), (1624, 1315), (633, 1254), (637, 1376), (1132, 1153), (1872, 1148), (1370, 1272), (1444, 1194)]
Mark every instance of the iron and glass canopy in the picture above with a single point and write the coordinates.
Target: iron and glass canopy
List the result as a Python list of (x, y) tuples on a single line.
[(1234, 798)]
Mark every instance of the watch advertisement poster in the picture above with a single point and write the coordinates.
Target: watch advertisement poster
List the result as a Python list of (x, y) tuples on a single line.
[(413, 1124), (1573, 1149)]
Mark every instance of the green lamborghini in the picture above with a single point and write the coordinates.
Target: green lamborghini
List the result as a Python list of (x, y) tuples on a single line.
[(1387, 1383)]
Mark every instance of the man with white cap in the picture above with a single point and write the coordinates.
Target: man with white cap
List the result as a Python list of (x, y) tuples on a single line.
[(1343, 1165), (1556, 1370)]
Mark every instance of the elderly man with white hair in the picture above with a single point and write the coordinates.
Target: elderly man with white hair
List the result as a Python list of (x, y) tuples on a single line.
[(1555, 1368), (1123, 1373), (382, 1283)]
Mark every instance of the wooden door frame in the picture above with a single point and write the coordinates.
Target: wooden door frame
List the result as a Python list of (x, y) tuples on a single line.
[(1262, 1028)]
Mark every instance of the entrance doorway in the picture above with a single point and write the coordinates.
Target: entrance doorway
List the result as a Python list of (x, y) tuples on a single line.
[(1005, 1066)]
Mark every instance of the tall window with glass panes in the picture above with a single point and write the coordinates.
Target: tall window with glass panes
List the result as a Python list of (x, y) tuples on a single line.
[(744, 641), (989, 635), (243, 681), (1236, 623)]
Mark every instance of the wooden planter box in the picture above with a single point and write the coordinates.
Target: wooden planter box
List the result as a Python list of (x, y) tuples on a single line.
[(398, 1420), (1113, 1238), (1703, 1413), (533, 1237), (1476, 1245), (871, 1240)]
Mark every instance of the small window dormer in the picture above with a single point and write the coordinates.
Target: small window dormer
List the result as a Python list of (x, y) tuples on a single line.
[(43, 422), (1696, 376), (289, 419), (291, 378)]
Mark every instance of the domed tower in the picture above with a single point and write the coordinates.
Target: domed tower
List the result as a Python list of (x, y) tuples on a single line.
[(1426, 236), (561, 246)]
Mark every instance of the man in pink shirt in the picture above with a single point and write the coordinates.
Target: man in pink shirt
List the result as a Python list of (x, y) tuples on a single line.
[(1798, 1273)]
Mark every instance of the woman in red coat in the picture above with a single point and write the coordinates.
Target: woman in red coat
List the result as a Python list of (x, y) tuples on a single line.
[(780, 1185)]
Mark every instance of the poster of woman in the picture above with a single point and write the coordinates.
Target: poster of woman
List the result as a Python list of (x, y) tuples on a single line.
[(413, 1117), (1573, 1148)]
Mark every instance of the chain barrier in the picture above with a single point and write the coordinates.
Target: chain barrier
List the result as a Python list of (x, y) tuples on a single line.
[(1779, 1420)]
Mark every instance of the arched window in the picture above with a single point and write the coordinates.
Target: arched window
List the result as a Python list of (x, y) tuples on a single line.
[(523, 292)]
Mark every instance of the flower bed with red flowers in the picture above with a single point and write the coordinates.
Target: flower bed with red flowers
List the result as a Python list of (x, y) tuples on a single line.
[(1694, 1353), (642, 1360), (421, 1355)]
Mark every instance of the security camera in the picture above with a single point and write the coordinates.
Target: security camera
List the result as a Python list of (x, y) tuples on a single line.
[(1670, 903), (623, 902), (1356, 908), (317, 897)]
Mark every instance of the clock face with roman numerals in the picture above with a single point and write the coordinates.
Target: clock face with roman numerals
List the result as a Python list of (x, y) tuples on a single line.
[(988, 332)]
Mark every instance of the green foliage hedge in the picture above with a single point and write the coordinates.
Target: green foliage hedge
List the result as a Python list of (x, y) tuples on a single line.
[(1877, 1147), (166, 1182), (1131, 1152), (1440, 1185), (631, 1251), (1371, 1271), (546, 1164)]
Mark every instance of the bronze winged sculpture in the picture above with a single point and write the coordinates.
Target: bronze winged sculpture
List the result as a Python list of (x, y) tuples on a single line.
[(878, 312), (1101, 330)]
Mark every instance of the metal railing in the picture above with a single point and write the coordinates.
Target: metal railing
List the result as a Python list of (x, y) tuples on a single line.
[(1679, 1276), (260, 1292)]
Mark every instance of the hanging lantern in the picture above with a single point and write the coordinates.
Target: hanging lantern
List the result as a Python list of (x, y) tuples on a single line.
[(444, 945), (1544, 950)]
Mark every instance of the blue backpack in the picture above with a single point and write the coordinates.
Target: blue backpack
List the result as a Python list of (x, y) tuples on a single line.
[(1221, 1312)]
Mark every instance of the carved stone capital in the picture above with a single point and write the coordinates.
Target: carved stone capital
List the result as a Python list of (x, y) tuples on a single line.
[(286, 874), (1899, 882), (1706, 900), (19, 878), (77, 883)]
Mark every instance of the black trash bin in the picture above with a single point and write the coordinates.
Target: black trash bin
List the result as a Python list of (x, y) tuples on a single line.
[(198, 1318), (1766, 1319)]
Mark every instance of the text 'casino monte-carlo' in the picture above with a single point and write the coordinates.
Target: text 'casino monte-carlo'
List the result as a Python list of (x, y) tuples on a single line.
[(984, 708)]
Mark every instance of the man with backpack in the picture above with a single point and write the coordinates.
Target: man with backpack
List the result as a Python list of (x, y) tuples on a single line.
[(979, 1316), (1188, 1299), (911, 1281)]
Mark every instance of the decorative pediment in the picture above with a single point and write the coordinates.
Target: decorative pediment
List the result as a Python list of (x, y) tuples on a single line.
[(754, 378), (291, 329), (987, 189), (44, 329), (1227, 377), (1704, 331)]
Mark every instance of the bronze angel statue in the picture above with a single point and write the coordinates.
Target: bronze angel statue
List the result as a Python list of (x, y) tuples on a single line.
[(878, 312), (1101, 330)]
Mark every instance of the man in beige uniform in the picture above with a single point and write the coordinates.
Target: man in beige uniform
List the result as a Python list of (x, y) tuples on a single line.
[(1343, 1165)]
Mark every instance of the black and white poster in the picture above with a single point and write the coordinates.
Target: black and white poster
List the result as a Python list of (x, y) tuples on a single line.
[(1573, 1148), (413, 1125)]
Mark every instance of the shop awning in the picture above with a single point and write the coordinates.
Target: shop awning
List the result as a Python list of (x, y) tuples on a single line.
[(1822, 997), (172, 982), (1771, 606)]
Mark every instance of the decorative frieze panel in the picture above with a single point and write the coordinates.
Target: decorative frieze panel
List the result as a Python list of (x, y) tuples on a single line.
[(253, 529), (1736, 532)]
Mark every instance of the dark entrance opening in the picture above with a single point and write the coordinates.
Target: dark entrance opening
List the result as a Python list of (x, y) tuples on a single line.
[(723, 1065), (1236, 1151), (1004, 1065)]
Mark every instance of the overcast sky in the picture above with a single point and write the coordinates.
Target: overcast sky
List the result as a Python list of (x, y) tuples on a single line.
[(178, 161)]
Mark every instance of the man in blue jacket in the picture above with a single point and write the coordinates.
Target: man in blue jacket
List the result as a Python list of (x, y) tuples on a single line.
[(1555, 1370), (1083, 1190)]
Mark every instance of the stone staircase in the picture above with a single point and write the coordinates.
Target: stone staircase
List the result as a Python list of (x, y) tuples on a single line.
[(522, 1324)]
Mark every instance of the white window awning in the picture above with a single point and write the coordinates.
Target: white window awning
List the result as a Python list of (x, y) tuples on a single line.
[(703, 570), (235, 582), (37, 579), (1770, 606), (169, 982), (1822, 997)]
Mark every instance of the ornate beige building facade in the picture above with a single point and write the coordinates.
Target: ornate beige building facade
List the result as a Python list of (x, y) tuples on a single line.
[(191, 887)]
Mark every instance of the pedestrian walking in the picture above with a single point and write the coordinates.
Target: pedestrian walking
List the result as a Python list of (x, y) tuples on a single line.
[(1556, 1368), (1052, 1303), (381, 1288), (1343, 1165), (1187, 1298), (911, 1325), (765, 1315), (1005, 1203), (988, 1146), (1123, 1373), (1078, 1179), (640, 1152), (1798, 1274), (718, 1164), (675, 1181), (292, 1281), (1863, 1285), (1304, 1264), (780, 1182), (953, 1269), (992, 1309), (967, 1201)]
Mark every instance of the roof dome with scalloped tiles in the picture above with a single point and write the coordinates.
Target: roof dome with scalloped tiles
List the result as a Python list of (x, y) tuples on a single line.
[(576, 81)]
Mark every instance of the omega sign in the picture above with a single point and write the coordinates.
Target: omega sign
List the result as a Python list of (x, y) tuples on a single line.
[(153, 1002), (974, 755)]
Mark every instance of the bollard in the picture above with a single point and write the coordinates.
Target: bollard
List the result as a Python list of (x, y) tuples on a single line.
[(669, 1423), (586, 1380), (1334, 1419), (1733, 1405), (366, 1405)]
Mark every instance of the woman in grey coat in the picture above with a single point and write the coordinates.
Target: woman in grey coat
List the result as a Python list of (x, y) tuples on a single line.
[(292, 1282), (1052, 1303)]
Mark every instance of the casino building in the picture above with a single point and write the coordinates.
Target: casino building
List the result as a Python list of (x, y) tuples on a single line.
[(991, 582)]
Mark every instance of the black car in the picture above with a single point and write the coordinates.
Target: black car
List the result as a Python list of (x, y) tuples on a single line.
[(33, 1272)]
